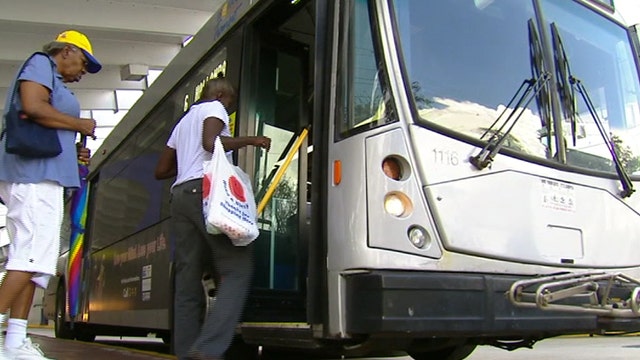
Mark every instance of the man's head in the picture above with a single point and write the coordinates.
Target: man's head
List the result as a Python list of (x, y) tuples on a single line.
[(219, 89)]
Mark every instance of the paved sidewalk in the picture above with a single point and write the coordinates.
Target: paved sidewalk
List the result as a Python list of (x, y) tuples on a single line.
[(76, 350)]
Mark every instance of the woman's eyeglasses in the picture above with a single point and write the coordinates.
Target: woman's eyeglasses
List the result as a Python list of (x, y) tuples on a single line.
[(85, 62)]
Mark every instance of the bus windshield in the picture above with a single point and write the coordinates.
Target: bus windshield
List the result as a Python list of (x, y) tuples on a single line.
[(464, 68)]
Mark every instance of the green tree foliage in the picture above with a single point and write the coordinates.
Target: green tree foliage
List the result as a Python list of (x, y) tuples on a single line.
[(285, 205), (630, 163)]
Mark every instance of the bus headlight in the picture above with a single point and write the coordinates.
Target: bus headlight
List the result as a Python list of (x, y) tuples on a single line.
[(419, 237), (397, 204)]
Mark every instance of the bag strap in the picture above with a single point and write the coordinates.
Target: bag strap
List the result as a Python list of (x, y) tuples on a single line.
[(15, 89)]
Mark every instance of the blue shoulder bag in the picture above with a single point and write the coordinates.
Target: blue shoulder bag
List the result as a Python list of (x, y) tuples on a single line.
[(24, 136)]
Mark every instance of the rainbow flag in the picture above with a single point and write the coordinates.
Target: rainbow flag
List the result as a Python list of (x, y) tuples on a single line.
[(76, 244)]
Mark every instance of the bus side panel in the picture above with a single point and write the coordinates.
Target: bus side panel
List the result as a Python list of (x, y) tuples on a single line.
[(140, 293)]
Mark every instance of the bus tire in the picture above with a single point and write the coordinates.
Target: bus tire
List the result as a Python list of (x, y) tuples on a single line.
[(62, 328), (450, 353), (82, 333)]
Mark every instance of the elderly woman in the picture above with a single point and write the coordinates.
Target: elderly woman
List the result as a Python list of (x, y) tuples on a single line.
[(32, 188)]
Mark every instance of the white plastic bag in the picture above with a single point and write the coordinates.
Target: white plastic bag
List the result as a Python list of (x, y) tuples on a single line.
[(227, 199), (206, 196)]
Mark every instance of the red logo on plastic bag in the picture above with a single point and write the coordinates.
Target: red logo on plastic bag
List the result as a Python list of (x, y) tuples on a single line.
[(237, 189), (206, 186)]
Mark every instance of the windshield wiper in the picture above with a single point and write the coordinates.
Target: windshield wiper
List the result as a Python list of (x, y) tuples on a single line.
[(568, 85), (543, 99), (563, 75), (528, 90)]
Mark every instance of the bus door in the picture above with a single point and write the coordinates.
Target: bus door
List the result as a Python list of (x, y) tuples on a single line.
[(280, 110)]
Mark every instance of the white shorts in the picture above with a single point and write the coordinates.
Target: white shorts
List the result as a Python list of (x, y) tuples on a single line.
[(34, 220)]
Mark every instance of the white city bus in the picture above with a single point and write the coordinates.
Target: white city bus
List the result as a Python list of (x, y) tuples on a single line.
[(468, 178)]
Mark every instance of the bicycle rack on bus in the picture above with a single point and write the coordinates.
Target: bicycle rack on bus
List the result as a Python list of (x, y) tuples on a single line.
[(587, 293)]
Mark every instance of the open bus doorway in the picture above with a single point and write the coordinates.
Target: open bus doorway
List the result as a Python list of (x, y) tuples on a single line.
[(278, 83)]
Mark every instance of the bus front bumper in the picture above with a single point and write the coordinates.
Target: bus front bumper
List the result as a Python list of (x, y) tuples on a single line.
[(425, 304)]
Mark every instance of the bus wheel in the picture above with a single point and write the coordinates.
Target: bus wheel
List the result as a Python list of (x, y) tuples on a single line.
[(449, 353), (82, 333), (62, 328)]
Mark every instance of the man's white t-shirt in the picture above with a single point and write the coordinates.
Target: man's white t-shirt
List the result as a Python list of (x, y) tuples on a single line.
[(186, 139)]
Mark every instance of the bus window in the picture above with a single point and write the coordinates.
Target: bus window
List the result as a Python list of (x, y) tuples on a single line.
[(464, 68), (126, 192), (365, 99), (597, 55)]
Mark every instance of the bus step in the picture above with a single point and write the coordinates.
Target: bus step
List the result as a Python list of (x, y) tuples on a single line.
[(596, 292)]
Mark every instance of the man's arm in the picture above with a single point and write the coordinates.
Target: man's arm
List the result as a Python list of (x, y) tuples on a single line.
[(212, 128), (167, 166)]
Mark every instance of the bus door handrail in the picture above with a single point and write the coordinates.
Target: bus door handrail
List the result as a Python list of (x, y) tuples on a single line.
[(268, 178), (278, 176)]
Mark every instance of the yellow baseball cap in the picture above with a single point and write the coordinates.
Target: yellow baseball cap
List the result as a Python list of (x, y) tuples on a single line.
[(79, 40)]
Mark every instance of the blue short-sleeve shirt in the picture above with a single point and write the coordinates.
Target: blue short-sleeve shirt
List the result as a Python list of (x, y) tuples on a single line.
[(63, 168)]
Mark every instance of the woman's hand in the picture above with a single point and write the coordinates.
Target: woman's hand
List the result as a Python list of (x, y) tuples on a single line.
[(87, 127), (84, 154)]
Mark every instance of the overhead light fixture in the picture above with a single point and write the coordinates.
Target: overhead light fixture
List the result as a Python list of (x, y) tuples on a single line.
[(133, 72)]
